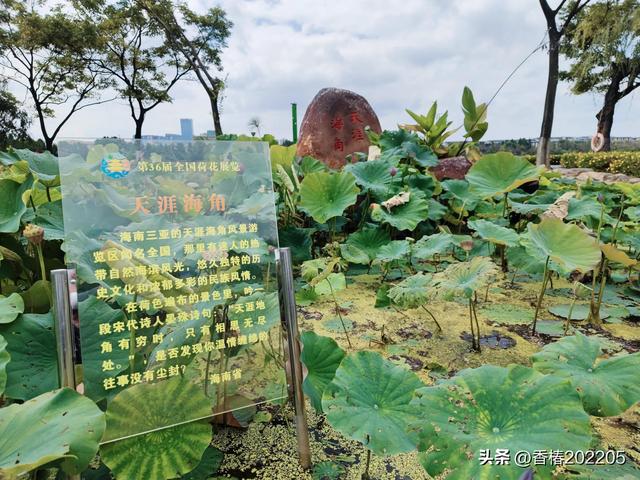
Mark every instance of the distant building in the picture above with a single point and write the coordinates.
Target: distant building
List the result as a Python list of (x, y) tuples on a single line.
[(186, 128)]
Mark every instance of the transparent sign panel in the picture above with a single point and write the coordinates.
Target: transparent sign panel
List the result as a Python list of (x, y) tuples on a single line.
[(174, 244)]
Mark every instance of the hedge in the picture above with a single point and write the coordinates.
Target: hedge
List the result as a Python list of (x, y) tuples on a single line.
[(612, 162)]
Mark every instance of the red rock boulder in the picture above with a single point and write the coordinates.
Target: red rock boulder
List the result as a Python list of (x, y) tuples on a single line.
[(333, 126), (452, 167)]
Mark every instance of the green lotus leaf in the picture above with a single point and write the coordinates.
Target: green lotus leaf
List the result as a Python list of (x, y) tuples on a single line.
[(508, 314), (327, 471), (321, 356), (565, 244), (500, 173), (311, 165), (283, 156), (299, 241), (92, 313), (306, 296), (43, 166), (12, 208), (363, 246), (60, 427), (406, 216), (326, 195), (368, 401), (209, 465), (607, 386), (464, 278), (332, 284), (395, 138), (413, 291), (49, 217), (423, 156), (529, 208), (580, 311), (459, 190), (618, 471), (311, 268), (493, 407), (437, 211), (494, 233), (167, 451), (394, 250), (553, 328), (4, 360), (336, 326), (430, 245), (10, 307), (37, 299), (520, 259), (427, 184), (582, 208), (373, 176), (33, 369)]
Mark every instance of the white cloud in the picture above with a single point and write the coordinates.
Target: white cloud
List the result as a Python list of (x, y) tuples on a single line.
[(398, 54)]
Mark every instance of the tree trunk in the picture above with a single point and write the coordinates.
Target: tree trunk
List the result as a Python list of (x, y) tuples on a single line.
[(213, 98), (48, 144), (605, 115), (542, 155), (139, 122)]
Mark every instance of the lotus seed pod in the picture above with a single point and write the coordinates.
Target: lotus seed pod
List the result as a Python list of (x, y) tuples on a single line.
[(34, 234), (393, 171)]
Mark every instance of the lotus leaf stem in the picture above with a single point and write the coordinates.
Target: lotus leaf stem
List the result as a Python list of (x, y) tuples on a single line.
[(432, 316), (335, 301), (43, 270), (568, 322), (545, 279)]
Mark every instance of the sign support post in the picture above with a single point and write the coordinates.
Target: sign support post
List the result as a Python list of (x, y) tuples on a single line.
[(294, 121), (62, 319), (289, 315)]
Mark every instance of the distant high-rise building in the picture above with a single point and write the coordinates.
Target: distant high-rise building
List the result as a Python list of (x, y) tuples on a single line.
[(186, 128)]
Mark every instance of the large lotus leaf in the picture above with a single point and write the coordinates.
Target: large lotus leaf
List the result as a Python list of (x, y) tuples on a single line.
[(33, 369), (607, 386), (326, 195), (618, 471), (423, 156), (413, 291), (506, 313), (299, 241), (10, 307), (332, 284), (565, 244), (459, 190), (520, 259), (4, 360), (311, 165), (500, 173), (373, 176), (321, 356), (581, 208), (43, 166), (49, 217), (37, 299), (167, 451), (493, 407), (368, 401), (494, 233), (60, 426), (427, 184), (464, 278), (394, 250), (579, 311), (363, 246), (406, 216), (428, 246), (209, 465), (92, 313), (12, 208)]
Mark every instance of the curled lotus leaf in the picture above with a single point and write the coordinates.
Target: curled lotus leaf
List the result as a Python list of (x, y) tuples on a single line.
[(495, 233), (413, 291), (156, 431), (10, 307), (464, 278), (368, 401), (607, 386), (322, 356), (565, 244), (616, 255), (60, 427), (500, 173), (406, 216), (325, 195), (373, 176), (490, 407)]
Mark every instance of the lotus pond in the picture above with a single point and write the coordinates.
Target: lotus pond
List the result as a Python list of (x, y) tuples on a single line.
[(443, 322)]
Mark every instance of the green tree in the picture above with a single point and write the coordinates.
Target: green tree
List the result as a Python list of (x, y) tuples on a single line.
[(199, 39), (557, 21), (604, 47), (135, 54), (14, 121), (49, 53)]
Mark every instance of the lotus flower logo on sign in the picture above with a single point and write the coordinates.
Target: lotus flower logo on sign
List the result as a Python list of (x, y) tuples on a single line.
[(115, 165)]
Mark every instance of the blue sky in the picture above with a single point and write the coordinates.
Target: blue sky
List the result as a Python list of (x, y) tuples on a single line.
[(397, 53)]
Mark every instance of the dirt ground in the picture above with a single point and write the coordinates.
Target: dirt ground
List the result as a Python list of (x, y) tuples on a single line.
[(267, 449)]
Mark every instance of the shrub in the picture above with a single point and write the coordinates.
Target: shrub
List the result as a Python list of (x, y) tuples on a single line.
[(612, 162)]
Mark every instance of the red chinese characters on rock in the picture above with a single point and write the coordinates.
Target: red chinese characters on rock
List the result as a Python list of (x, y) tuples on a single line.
[(334, 126)]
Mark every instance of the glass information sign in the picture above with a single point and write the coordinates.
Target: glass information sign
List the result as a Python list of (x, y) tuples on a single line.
[(174, 244)]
